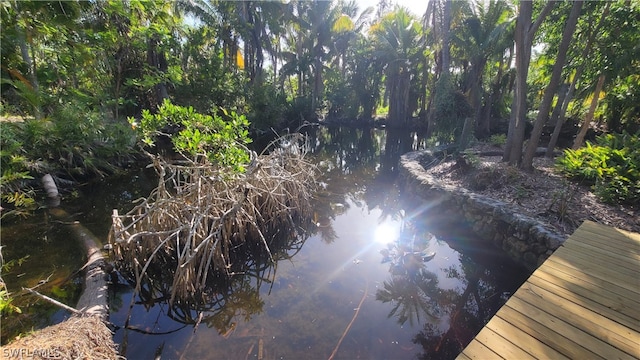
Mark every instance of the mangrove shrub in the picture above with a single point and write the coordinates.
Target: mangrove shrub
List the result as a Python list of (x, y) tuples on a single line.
[(221, 140)]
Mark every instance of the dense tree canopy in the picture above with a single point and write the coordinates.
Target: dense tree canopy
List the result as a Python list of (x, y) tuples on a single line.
[(78, 67)]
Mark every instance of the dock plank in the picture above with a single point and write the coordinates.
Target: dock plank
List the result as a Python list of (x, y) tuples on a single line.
[(610, 300), (589, 267), (582, 302), (605, 255), (477, 350), (587, 316), (624, 248), (500, 345), (524, 340), (575, 276)]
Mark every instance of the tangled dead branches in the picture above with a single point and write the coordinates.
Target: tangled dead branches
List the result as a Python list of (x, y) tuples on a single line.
[(200, 219)]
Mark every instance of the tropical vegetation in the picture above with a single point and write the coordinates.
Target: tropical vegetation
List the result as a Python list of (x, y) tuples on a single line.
[(611, 165)]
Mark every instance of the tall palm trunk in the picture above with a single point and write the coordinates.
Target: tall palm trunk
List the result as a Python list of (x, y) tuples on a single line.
[(157, 60), (446, 36), (31, 66), (399, 97)]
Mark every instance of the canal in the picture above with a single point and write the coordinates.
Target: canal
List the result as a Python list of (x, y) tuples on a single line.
[(376, 277)]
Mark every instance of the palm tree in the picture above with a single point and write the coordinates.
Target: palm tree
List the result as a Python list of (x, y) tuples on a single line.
[(346, 30), (485, 35), (397, 41)]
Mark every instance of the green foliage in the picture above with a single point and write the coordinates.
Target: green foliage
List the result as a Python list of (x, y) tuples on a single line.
[(612, 165), (221, 141), (30, 97), (450, 110), (77, 140), (6, 306), (299, 110), (73, 141), (561, 201), (498, 139), (471, 158), (15, 171), (341, 97), (267, 107)]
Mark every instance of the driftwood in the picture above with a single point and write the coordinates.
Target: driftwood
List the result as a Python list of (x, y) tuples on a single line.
[(53, 301)]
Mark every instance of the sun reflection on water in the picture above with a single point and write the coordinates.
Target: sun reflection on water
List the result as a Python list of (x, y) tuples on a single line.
[(386, 233)]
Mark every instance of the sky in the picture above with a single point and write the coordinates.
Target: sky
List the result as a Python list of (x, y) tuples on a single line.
[(417, 7)]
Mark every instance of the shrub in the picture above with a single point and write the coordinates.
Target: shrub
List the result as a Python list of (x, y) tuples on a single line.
[(74, 140), (14, 173), (612, 166), (221, 141), (498, 139), (450, 109), (268, 108)]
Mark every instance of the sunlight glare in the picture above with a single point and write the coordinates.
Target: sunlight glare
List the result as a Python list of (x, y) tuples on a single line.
[(386, 233)]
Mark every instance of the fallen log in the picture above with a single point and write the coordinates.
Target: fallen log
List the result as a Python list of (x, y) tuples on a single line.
[(93, 300), (85, 335)]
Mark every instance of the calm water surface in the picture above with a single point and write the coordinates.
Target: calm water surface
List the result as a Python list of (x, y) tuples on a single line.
[(377, 277), (371, 282)]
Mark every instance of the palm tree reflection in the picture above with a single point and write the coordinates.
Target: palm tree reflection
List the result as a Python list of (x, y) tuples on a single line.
[(449, 317), (412, 288)]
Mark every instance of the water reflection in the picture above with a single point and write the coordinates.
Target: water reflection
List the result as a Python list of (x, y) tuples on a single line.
[(370, 281), (412, 288), (38, 254), (484, 281)]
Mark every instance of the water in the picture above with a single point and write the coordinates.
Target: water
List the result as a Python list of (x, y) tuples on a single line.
[(38, 254), (371, 281)]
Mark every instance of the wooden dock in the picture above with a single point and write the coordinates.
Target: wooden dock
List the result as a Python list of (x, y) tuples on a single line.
[(581, 303)]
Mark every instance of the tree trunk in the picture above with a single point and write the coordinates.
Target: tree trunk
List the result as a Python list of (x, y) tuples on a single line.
[(515, 136), (558, 117), (550, 91), (31, 68), (475, 90), (572, 88), (399, 84), (483, 122), (446, 58), (592, 109), (563, 89), (467, 133), (157, 61), (318, 85), (525, 30)]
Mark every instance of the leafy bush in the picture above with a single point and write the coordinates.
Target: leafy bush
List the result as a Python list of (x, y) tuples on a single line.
[(15, 172), (450, 108), (612, 166), (299, 111), (73, 141), (221, 141), (267, 107), (498, 139)]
